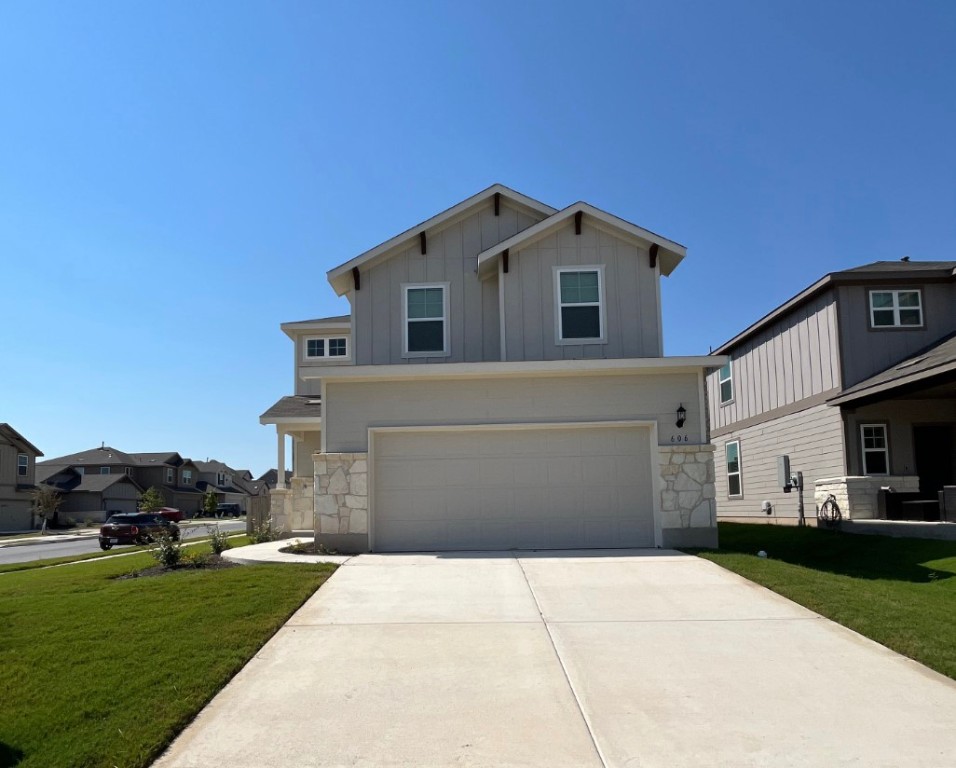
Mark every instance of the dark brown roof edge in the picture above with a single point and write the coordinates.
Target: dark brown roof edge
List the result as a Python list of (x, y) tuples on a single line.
[(11, 434)]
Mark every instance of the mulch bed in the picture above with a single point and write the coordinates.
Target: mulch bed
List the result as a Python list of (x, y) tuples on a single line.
[(212, 563), (307, 548)]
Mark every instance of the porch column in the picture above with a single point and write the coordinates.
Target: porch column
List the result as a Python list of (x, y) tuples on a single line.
[(280, 468)]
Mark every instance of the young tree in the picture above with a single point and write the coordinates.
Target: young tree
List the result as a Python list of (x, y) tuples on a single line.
[(46, 504), (209, 503), (152, 500)]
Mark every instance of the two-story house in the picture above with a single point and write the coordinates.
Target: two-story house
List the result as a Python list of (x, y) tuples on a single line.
[(99, 481), (17, 479), (498, 383), (854, 379)]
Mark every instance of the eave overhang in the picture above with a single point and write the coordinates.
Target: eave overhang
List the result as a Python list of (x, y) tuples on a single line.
[(669, 253)]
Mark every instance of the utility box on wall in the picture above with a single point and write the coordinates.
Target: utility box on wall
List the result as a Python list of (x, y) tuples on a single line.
[(783, 473)]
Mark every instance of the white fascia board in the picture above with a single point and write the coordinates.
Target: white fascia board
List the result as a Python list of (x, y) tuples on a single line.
[(671, 252), (305, 421), (523, 369), (339, 277), (293, 330)]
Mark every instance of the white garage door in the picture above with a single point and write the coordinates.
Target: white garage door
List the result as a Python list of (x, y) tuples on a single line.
[(557, 488)]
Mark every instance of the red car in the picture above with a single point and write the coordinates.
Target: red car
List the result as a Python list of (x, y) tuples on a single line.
[(135, 528), (170, 513)]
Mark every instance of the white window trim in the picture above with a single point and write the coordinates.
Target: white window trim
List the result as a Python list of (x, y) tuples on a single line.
[(602, 305), (306, 357), (24, 465), (187, 480), (720, 383), (170, 475), (446, 345), (896, 308), (885, 450), (739, 472)]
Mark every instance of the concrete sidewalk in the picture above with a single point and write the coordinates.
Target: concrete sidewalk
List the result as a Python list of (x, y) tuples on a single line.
[(645, 658)]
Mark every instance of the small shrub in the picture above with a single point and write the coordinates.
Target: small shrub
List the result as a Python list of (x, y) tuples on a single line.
[(195, 558), (70, 522), (167, 550), (218, 540), (262, 532), (297, 548), (89, 522)]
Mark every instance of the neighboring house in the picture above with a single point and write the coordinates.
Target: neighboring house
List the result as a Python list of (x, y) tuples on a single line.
[(85, 497), (223, 481), (17, 479), (855, 379), (498, 383)]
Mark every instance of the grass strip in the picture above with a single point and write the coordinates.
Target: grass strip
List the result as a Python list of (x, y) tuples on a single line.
[(899, 592), (105, 672)]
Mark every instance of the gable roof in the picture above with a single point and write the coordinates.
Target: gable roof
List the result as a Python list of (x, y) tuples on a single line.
[(88, 483), (334, 323), (150, 459), (104, 456), (340, 276), (293, 408), (670, 254), (18, 440), (877, 271), (937, 359)]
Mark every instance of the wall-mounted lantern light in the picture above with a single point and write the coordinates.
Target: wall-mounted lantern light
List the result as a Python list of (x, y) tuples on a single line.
[(681, 415)]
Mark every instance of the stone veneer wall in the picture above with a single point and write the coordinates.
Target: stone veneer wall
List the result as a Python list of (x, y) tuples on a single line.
[(688, 495), (341, 493), (291, 508), (858, 496)]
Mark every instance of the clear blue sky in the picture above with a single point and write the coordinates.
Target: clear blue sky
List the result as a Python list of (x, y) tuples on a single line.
[(176, 177)]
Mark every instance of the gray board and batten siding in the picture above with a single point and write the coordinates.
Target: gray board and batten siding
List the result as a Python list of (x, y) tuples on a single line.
[(795, 359), (633, 397), (451, 256), (630, 297), (867, 351)]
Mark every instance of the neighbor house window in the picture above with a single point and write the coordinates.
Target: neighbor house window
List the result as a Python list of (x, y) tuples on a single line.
[(104, 470), (337, 347), (726, 380), (580, 296), (895, 309), (80, 470), (426, 320), (876, 455), (315, 348), (23, 464), (169, 474), (734, 487), (187, 477), (129, 471)]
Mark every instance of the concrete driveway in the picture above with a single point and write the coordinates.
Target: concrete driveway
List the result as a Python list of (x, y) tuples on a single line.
[(617, 658)]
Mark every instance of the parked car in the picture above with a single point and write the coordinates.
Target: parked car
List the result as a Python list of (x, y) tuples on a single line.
[(170, 513), (135, 528), (228, 510)]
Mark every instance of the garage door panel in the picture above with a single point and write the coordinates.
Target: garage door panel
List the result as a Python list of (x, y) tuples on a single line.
[(507, 489)]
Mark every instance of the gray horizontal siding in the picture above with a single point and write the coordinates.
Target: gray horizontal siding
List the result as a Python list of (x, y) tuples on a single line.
[(812, 438), (354, 407), (794, 359)]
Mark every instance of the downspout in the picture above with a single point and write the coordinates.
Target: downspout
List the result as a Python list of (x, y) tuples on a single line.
[(503, 341)]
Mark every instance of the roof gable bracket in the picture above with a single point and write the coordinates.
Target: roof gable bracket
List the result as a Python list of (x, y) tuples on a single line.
[(357, 278), (652, 251), (504, 260), (497, 202), (577, 222), (421, 237)]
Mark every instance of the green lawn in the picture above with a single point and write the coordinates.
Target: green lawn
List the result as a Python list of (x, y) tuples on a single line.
[(899, 592), (235, 540), (100, 672)]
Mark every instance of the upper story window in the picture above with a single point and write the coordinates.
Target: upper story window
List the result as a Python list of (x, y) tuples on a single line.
[(725, 379), (170, 474), (187, 477), (734, 486), (580, 304), (23, 464), (334, 346), (104, 470), (425, 318), (876, 455), (80, 470), (896, 309), (129, 471)]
